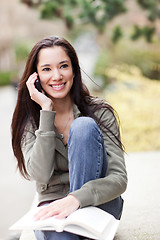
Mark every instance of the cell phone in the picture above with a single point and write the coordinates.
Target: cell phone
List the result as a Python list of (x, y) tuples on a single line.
[(38, 85)]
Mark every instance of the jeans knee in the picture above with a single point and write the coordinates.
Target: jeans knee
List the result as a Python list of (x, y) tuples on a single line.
[(83, 127), (82, 122)]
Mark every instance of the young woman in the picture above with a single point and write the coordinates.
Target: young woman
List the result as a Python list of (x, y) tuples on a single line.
[(65, 139)]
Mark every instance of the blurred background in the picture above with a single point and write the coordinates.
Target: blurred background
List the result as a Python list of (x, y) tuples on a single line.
[(118, 44)]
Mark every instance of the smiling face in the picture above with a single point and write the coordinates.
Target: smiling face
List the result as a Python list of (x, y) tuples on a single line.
[(55, 72)]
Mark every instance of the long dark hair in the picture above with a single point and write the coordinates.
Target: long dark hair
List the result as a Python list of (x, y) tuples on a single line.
[(28, 110)]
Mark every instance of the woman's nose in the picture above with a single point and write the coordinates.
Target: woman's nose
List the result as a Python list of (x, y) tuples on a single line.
[(56, 75)]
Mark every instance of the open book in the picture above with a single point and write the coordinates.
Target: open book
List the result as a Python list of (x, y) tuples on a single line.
[(90, 222)]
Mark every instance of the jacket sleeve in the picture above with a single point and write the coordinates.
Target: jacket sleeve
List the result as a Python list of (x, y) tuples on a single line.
[(39, 148), (105, 189)]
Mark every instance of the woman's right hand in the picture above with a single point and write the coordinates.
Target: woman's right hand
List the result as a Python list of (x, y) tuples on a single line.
[(39, 97)]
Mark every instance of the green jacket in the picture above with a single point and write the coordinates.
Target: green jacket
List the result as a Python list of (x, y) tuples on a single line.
[(46, 161)]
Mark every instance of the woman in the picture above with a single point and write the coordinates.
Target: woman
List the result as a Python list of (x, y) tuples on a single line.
[(65, 139)]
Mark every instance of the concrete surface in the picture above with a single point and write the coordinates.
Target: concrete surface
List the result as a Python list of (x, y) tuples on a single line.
[(141, 215), (16, 194)]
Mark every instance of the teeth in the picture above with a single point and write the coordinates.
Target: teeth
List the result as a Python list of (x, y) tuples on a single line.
[(57, 86)]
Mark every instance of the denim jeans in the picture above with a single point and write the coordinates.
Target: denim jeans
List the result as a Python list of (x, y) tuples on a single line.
[(87, 158)]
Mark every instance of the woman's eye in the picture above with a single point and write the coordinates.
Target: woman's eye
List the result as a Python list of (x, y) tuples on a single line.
[(64, 66), (46, 69)]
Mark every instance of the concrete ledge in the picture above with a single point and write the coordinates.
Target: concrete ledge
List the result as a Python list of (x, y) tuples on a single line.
[(27, 235)]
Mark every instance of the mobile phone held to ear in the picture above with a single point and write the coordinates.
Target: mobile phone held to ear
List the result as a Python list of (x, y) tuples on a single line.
[(38, 85)]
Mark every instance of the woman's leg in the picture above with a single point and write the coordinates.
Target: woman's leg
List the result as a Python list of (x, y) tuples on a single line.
[(88, 159), (86, 153), (52, 235)]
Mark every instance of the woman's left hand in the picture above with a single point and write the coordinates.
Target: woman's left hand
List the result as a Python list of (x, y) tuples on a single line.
[(60, 208)]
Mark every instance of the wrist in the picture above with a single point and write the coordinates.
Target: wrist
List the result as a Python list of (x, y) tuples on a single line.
[(47, 106), (75, 201)]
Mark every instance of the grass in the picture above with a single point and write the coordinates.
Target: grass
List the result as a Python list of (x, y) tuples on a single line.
[(137, 101), (5, 78)]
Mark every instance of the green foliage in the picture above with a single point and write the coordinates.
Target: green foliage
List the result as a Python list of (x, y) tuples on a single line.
[(59, 9), (137, 32), (146, 59), (29, 3), (153, 8), (22, 51), (72, 2), (146, 3), (5, 78), (113, 8), (146, 32), (103, 62), (101, 12), (97, 12), (50, 9), (69, 21), (117, 34)]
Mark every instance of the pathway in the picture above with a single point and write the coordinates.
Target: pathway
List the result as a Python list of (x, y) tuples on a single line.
[(16, 193)]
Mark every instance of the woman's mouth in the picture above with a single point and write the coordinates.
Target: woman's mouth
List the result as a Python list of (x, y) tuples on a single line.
[(58, 87)]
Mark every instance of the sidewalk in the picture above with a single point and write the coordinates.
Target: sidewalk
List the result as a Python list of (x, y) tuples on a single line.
[(141, 215), (16, 194)]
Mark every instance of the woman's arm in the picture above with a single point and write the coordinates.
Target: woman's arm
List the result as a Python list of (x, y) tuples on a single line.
[(60, 208), (39, 97), (39, 148), (103, 190)]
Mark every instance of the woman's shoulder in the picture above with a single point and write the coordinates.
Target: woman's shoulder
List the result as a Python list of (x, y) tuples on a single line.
[(29, 130), (101, 107), (30, 126)]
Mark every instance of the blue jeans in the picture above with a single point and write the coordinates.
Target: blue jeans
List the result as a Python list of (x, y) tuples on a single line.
[(87, 161)]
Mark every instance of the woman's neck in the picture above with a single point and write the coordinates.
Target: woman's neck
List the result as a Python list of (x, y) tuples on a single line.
[(64, 117), (62, 106)]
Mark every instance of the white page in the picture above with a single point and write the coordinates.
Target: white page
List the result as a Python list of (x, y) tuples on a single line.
[(92, 217), (27, 222)]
